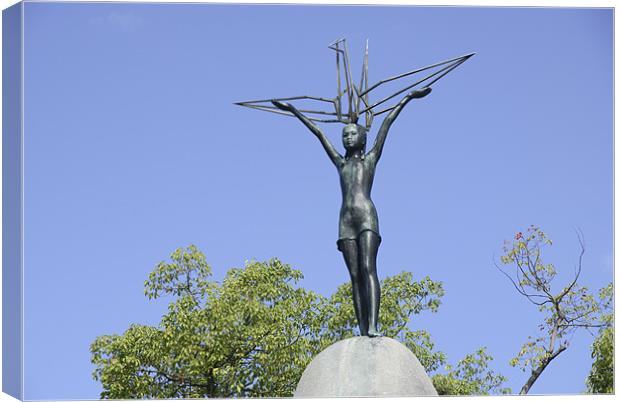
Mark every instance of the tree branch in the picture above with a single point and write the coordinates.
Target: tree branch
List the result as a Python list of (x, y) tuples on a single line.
[(520, 289), (538, 371), (583, 250)]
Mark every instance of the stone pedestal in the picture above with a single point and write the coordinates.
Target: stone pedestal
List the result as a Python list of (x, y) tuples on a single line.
[(363, 366)]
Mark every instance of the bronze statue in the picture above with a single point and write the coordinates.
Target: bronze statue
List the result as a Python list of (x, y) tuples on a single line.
[(359, 237)]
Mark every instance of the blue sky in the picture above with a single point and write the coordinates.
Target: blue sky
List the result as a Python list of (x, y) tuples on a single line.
[(133, 148)]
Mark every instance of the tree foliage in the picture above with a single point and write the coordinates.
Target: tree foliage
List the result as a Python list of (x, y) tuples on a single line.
[(253, 334), (248, 336), (601, 377), (564, 311), (471, 376)]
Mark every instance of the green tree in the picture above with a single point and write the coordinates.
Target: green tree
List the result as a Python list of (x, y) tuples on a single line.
[(601, 377), (571, 308), (251, 335), (471, 376)]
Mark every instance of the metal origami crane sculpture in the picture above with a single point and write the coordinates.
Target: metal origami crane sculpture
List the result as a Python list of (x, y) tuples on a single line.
[(357, 96), (358, 237)]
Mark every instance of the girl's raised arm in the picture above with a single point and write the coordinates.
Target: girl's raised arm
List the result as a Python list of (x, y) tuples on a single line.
[(335, 157), (377, 148)]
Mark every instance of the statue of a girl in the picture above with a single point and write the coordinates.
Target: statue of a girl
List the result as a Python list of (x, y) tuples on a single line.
[(358, 237)]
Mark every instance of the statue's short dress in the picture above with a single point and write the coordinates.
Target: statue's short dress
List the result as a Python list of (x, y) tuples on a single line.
[(352, 225)]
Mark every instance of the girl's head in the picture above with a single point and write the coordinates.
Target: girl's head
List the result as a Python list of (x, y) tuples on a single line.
[(354, 137)]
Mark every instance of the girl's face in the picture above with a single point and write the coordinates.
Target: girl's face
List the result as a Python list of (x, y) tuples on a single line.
[(353, 137)]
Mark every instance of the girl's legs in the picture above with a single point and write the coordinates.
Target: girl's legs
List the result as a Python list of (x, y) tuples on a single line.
[(368, 245), (350, 253)]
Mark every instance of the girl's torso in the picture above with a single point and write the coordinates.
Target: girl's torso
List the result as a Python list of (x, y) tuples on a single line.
[(358, 213)]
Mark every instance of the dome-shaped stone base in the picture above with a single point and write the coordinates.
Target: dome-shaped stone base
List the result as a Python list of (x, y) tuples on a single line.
[(363, 366)]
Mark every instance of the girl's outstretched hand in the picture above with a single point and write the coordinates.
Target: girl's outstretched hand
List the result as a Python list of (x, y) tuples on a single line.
[(420, 93)]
